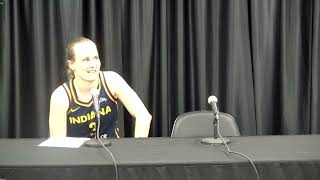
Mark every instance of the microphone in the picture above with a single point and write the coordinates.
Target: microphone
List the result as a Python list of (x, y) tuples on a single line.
[(213, 101), (95, 97), (97, 142)]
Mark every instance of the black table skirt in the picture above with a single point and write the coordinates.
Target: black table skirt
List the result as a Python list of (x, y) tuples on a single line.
[(276, 157)]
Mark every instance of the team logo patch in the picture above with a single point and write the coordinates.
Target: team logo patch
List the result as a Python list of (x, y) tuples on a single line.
[(102, 99)]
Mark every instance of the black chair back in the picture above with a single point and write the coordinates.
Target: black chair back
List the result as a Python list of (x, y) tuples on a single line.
[(200, 124)]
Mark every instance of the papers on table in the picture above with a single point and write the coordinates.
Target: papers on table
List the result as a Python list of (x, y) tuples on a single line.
[(69, 142)]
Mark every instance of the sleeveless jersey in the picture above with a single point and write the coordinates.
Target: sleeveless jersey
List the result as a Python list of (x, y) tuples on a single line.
[(81, 116)]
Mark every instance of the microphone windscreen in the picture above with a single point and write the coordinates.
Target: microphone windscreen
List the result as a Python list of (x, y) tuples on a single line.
[(94, 92), (212, 99), (95, 97)]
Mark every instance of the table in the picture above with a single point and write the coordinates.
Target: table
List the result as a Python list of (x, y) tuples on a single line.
[(276, 157)]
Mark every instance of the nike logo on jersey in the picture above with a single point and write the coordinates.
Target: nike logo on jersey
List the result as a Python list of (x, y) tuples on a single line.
[(74, 110)]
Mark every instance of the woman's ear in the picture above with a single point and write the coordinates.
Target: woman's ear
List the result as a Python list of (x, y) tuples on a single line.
[(71, 64)]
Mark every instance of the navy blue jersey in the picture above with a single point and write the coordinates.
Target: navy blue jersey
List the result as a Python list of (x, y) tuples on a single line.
[(81, 116)]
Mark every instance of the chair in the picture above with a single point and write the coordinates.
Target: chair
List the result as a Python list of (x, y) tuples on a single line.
[(200, 124)]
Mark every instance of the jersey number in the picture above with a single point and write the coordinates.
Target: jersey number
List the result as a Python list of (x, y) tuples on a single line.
[(92, 126)]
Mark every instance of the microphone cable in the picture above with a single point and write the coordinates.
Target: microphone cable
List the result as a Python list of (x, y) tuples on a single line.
[(238, 153), (113, 160), (95, 96)]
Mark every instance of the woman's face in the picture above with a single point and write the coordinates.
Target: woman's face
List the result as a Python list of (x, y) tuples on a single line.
[(86, 65)]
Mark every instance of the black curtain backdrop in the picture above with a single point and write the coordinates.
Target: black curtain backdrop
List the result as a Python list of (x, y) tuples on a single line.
[(260, 58)]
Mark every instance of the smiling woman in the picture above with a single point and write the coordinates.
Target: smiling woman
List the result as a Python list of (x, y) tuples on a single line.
[(88, 62), (72, 110)]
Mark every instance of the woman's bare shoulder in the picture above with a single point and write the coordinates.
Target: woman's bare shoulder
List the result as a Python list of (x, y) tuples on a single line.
[(59, 97)]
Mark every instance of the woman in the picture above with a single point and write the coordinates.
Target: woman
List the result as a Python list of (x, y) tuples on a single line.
[(71, 108)]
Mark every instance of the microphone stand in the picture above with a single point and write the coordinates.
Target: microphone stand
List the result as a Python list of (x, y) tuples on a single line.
[(215, 139), (97, 141)]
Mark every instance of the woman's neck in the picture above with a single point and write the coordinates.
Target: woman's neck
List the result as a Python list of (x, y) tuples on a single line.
[(84, 87)]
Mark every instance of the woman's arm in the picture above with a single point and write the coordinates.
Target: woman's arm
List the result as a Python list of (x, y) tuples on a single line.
[(59, 105), (120, 89)]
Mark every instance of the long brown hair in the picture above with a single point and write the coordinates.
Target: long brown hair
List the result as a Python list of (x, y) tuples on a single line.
[(70, 54)]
